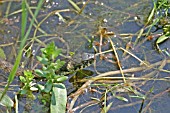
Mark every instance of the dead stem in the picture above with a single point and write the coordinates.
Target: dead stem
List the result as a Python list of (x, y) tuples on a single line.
[(93, 102), (77, 93), (101, 42), (85, 85), (118, 61), (134, 69), (134, 56)]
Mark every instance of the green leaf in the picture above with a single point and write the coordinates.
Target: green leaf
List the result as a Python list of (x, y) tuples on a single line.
[(44, 68), (28, 75), (2, 54), (62, 79), (34, 89), (39, 58), (59, 64), (40, 87), (39, 72), (43, 60), (48, 86), (161, 39), (49, 49), (106, 109), (23, 80), (56, 53), (56, 77), (122, 98), (58, 98), (6, 101), (24, 91)]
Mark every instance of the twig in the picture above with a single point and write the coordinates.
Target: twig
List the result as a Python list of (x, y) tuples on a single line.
[(118, 61), (81, 90)]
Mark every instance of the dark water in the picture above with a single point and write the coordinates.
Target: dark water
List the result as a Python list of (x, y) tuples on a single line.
[(117, 16)]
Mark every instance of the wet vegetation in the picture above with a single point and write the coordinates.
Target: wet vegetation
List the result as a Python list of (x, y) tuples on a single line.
[(85, 56)]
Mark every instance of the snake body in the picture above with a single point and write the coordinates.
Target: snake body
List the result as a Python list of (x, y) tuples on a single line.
[(85, 60)]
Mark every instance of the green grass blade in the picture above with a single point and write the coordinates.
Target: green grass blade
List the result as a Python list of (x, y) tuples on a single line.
[(31, 13), (23, 41), (74, 5), (24, 18)]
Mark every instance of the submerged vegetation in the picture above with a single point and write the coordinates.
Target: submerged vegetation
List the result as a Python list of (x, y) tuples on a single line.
[(127, 67)]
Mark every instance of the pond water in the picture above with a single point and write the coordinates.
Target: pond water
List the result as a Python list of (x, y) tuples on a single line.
[(74, 33)]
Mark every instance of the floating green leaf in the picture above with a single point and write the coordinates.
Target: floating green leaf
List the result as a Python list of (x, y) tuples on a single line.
[(161, 39), (6, 101), (58, 98)]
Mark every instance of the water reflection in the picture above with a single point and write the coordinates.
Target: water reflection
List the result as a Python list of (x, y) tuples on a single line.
[(78, 30)]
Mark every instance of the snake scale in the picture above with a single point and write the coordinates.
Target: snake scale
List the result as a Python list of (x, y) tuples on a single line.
[(85, 60)]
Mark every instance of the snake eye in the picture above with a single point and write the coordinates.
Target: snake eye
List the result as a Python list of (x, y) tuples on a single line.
[(88, 55)]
